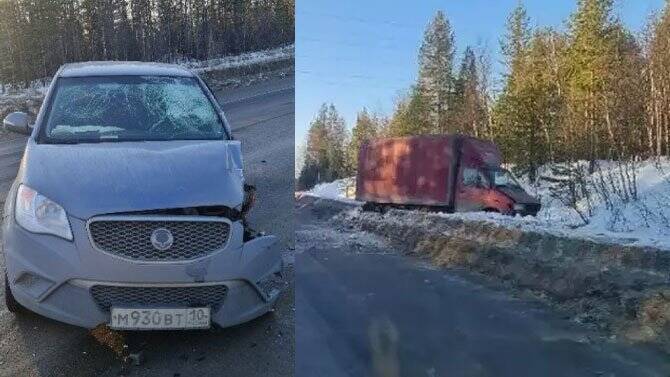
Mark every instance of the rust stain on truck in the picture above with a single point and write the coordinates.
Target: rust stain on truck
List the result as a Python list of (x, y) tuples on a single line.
[(454, 173)]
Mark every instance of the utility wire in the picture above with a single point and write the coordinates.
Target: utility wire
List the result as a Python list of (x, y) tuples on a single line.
[(355, 76), (362, 20)]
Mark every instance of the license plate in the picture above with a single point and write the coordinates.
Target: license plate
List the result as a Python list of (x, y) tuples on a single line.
[(160, 319)]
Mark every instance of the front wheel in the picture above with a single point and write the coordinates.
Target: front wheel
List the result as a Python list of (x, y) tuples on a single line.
[(10, 302)]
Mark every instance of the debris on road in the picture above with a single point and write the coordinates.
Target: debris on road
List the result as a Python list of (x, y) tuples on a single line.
[(110, 338)]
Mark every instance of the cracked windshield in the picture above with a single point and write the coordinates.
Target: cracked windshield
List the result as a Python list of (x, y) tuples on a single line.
[(137, 108)]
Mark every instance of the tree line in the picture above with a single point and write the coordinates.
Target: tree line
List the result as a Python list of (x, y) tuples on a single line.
[(593, 91), (38, 36)]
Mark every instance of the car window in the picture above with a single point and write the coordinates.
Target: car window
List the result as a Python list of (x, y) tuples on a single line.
[(131, 108), (474, 178), (504, 178)]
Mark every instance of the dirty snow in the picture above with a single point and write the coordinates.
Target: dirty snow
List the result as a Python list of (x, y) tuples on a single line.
[(35, 88), (642, 222), (246, 59)]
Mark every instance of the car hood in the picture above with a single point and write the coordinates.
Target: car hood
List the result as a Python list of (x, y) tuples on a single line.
[(103, 178), (518, 195)]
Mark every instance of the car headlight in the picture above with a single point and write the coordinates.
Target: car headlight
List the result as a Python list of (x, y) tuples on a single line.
[(519, 207), (37, 214)]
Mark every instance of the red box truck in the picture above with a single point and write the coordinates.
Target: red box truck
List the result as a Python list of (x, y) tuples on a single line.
[(443, 172)]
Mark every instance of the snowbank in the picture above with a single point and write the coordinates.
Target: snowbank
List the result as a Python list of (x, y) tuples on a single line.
[(644, 221), (641, 222), (242, 60), (342, 190)]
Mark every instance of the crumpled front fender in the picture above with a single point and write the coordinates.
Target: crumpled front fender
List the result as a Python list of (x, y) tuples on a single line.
[(260, 257)]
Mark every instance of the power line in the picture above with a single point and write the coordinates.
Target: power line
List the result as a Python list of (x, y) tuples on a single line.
[(366, 21), (358, 77), (357, 43)]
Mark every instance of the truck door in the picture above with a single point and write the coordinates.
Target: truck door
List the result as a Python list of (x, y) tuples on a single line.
[(471, 190)]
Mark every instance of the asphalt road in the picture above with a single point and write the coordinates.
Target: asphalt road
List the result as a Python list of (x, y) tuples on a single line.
[(262, 117), (363, 309)]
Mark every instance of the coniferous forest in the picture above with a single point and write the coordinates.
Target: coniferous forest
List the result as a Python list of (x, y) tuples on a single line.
[(38, 36)]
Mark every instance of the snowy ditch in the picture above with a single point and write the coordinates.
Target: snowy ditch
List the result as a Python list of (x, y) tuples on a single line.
[(621, 289)]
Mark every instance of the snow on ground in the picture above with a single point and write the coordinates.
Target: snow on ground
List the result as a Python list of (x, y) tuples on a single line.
[(246, 59), (36, 88), (341, 189), (641, 222)]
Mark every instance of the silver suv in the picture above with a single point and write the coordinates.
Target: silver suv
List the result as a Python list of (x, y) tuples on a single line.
[(129, 206)]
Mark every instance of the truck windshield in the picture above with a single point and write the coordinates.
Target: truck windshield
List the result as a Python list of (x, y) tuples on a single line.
[(130, 108), (502, 177)]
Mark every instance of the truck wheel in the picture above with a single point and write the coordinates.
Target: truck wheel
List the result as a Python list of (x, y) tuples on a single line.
[(373, 207), (10, 302)]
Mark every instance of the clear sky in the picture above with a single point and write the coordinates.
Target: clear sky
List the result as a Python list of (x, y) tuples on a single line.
[(357, 53)]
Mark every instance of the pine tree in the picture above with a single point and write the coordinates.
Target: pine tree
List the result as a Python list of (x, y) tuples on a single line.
[(436, 81), (411, 116), (508, 112), (589, 60), (470, 114), (516, 39), (624, 100), (366, 129), (325, 152), (657, 133), (337, 142), (527, 112), (92, 27)]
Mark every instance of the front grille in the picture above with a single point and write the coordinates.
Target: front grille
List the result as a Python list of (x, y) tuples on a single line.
[(107, 296), (130, 238)]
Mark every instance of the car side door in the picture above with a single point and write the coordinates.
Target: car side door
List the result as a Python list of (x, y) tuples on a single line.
[(471, 189)]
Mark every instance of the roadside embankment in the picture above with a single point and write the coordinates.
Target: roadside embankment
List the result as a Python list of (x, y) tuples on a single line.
[(247, 68), (623, 290)]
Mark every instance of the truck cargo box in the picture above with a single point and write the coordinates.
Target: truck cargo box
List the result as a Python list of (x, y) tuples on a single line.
[(413, 170), (431, 171)]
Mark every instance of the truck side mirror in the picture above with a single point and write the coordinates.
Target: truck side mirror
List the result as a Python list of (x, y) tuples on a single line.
[(18, 122)]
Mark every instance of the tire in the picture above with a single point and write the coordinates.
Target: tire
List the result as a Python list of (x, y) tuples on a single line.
[(10, 302), (368, 207)]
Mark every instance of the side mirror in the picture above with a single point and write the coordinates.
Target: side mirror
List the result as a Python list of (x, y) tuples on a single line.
[(18, 122)]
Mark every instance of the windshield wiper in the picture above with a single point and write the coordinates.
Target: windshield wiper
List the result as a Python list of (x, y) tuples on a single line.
[(74, 141), (62, 142)]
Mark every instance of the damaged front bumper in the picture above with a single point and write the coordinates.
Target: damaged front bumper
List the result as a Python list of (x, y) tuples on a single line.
[(55, 278)]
